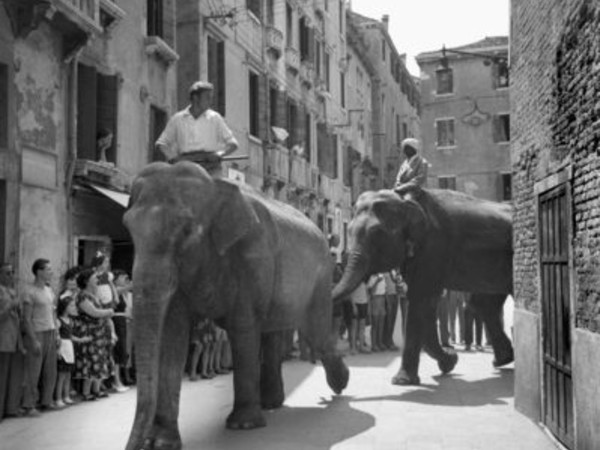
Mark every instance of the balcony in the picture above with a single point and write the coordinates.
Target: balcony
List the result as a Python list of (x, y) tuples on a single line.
[(274, 41), (163, 51), (307, 73), (105, 174), (277, 159), (292, 59)]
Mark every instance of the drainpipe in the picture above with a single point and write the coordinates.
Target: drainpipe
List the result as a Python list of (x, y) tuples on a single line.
[(71, 150)]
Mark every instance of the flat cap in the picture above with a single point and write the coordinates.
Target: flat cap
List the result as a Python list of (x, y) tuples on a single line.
[(411, 142), (201, 86)]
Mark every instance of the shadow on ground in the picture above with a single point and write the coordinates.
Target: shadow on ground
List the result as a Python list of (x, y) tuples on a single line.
[(296, 427), (381, 359), (453, 390)]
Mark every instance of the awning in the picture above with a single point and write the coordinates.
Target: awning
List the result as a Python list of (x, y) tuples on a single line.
[(116, 196)]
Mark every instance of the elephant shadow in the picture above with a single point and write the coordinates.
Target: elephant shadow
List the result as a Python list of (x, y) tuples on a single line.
[(453, 390), (299, 427)]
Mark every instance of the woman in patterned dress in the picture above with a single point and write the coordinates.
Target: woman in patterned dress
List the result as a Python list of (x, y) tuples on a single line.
[(92, 364)]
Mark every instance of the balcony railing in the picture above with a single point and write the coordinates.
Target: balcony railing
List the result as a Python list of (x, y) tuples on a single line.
[(292, 59), (277, 162), (301, 175), (274, 40)]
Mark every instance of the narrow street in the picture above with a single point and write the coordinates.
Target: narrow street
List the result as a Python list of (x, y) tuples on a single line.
[(468, 410)]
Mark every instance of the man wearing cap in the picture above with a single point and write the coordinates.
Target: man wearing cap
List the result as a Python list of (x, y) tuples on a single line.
[(413, 170), (198, 131)]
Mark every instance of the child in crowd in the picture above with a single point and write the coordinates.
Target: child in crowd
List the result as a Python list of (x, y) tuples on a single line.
[(65, 310), (360, 302)]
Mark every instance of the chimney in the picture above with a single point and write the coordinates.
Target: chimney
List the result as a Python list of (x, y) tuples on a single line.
[(385, 19)]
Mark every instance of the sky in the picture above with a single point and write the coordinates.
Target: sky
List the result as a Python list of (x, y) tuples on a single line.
[(425, 25)]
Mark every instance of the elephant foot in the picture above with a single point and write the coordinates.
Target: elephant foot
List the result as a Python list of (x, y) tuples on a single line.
[(337, 373), (245, 419), (157, 444), (272, 400), (402, 378), (447, 362), (502, 360)]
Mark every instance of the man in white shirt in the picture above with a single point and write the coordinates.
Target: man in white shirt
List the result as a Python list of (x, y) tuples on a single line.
[(198, 131), (413, 171)]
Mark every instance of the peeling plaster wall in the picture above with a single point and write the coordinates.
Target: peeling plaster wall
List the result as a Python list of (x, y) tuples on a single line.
[(40, 86)]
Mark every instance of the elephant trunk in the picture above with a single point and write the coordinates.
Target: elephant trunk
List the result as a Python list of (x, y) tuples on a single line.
[(153, 290), (355, 271)]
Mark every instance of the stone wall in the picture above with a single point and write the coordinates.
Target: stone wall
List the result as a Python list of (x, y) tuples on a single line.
[(555, 85)]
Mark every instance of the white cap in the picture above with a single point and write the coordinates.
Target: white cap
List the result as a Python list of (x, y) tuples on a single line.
[(411, 142)]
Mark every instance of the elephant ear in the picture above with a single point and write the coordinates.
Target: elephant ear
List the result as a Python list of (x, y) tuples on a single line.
[(417, 222), (235, 217)]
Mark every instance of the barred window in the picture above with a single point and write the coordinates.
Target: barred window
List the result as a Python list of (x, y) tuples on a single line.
[(445, 132)]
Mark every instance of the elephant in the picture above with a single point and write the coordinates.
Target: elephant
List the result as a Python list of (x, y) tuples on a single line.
[(208, 247), (439, 239)]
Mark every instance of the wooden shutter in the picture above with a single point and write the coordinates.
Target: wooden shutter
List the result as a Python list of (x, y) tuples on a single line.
[(4, 109), (106, 101), (86, 112)]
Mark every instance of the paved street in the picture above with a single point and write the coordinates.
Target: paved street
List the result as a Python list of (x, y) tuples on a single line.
[(471, 409)]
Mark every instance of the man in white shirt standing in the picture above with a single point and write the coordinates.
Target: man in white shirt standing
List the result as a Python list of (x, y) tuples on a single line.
[(197, 132)]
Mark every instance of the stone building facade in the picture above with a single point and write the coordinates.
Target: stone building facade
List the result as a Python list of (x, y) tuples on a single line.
[(395, 98), (466, 118), (554, 56), (68, 70)]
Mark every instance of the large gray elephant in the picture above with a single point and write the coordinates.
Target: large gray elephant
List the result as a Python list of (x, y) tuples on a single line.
[(439, 239), (207, 247)]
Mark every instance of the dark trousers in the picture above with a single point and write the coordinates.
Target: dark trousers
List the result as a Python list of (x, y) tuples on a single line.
[(42, 368), (11, 383), (471, 319), (391, 311)]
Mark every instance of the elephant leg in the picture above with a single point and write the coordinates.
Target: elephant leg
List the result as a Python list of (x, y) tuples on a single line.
[(490, 308), (317, 328), (446, 359), (409, 369), (272, 394), (244, 335), (164, 434)]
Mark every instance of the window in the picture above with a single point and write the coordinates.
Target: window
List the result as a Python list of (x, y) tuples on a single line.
[(271, 12), (154, 17), (273, 100), (254, 7), (501, 124), (445, 132), (97, 97), (447, 182), (506, 186), (216, 72), (500, 74), (289, 25), (327, 63), (404, 130), (292, 124), (318, 69), (3, 106), (158, 121), (254, 99), (383, 49), (343, 89), (398, 135), (342, 14), (305, 39), (307, 137), (445, 81)]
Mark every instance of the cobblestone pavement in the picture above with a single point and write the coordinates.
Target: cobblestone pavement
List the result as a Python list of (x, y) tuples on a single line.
[(470, 409)]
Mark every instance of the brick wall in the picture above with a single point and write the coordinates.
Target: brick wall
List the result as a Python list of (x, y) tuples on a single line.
[(555, 91)]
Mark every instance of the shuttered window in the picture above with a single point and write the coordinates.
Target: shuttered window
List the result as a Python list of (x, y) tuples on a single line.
[(253, 81), (445, 132), (501, 131), (447, 182), (4, 109), (216, 73), (97, 108), (444, 81)]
